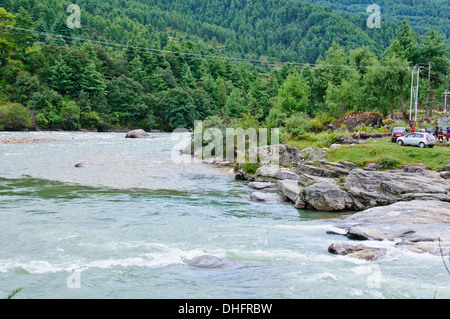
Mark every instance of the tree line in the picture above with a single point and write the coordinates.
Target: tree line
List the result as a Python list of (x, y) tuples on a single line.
[(168, 78)]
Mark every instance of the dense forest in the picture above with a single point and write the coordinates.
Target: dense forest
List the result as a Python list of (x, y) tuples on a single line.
[(422, 15), (162, 64)]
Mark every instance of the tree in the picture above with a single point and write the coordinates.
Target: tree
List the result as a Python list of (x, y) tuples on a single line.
[(24, 20), (236, 104), (385, 87), (176, 106), (6, 45), (294, 94), (125, 99), (61, 76), (70, 116), (92, 81)]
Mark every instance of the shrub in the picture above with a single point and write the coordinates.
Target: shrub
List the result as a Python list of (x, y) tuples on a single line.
[(250, 167), (16, 117), (297, 124), (388, 163), (70, 116)]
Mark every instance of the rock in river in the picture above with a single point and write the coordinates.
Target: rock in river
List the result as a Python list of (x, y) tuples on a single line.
[(358, 251), (213, 262), (138, 134)]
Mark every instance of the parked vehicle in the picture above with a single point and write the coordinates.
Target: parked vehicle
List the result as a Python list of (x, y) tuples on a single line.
[(398, 132), (417, 139)]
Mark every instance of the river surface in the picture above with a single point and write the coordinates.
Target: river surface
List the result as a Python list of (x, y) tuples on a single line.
[(124, 225)]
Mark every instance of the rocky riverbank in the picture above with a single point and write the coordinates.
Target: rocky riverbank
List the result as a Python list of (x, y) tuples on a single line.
[(406, 205), (327, 186)]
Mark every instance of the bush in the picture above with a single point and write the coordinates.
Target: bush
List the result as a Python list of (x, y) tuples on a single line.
[(15, 117), (297, 124), (320, 123), (70, 116), (388, 163)]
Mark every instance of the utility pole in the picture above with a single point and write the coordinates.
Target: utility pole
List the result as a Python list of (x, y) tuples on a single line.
[(428, 91), (445, 103), (414, 92)]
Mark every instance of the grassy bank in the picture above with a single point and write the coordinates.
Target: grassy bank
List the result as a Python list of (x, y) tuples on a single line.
[(390, 155)]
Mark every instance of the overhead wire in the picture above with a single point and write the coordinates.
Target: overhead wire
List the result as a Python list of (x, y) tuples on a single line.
[(24, 31)]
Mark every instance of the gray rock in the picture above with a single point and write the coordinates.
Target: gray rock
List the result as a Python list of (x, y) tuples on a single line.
[(307, 180), (416, 224), (372, 167), (265, 197), (271, 172), (138, 134), (280, 154), (447, 168), (262, 185), (445, 174), (313, 155), (326, 197), (320, 170), (348, 165), (289, 189), (357, 251), (213, 262)]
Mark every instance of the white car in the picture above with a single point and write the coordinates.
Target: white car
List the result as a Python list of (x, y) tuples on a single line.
[(417, 139)]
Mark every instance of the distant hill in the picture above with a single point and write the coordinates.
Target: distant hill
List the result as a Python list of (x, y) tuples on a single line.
[(422, 15), (279, 29)]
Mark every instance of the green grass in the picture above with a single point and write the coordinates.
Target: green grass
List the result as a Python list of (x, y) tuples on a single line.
[(390, 155)]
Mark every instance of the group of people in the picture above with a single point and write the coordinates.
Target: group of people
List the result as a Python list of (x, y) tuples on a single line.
[(439, 133)]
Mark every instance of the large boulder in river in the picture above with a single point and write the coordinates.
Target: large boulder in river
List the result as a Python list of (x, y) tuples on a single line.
[(138, 134), (358, 118)]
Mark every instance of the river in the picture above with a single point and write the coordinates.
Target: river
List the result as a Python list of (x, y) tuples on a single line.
[(124, 225)]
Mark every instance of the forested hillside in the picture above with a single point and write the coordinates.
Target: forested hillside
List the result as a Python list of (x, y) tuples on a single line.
[(162, 64), (422, 15)]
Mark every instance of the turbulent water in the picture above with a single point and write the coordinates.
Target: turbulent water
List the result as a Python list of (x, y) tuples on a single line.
[(124, 225)]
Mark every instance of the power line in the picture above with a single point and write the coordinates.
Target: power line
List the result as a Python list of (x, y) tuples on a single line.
[(23, 31)]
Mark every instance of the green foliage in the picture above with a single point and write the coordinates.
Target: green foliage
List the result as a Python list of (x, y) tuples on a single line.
[(70, 116), (297, 124), (250, 168), (294, 94), (15, 292), (15, 117), (387, 162)]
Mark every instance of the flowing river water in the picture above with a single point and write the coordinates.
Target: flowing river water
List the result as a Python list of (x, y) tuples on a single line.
[(124, 225)]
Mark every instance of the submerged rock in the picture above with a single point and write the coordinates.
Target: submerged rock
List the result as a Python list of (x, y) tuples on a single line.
[(213, 262)]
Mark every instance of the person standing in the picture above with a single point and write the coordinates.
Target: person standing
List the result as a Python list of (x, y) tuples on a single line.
[(411, 125)]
